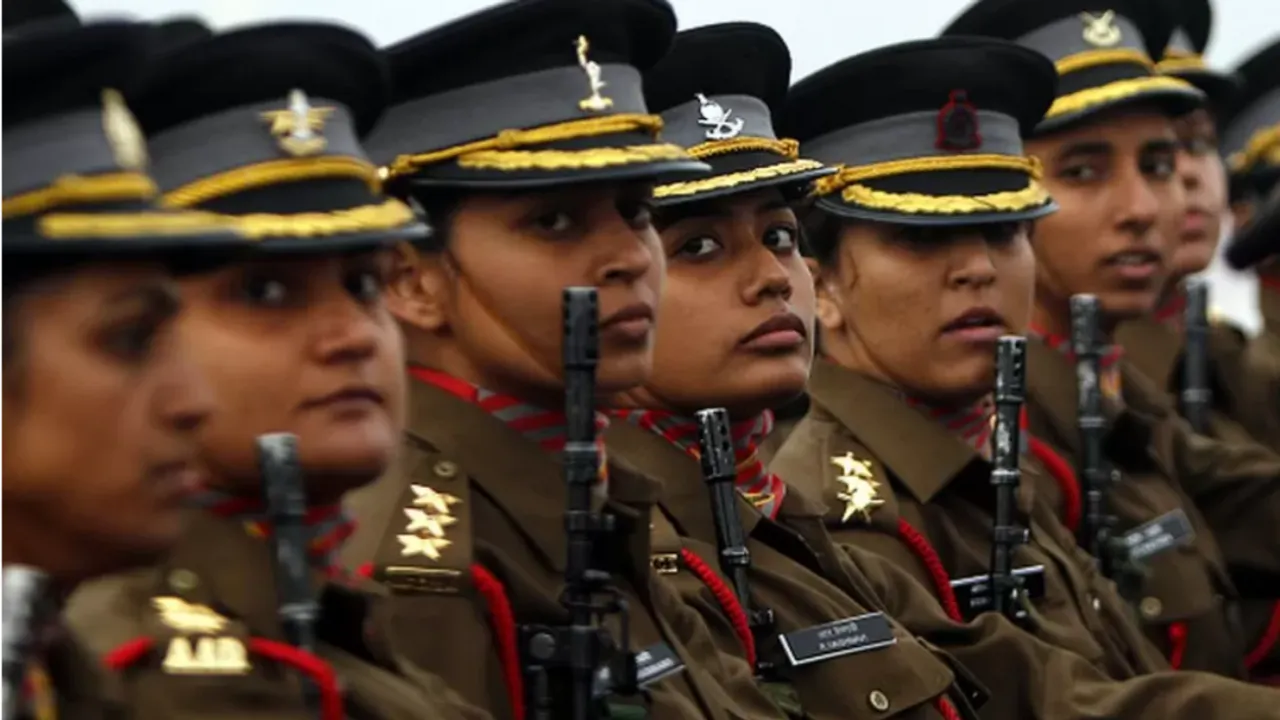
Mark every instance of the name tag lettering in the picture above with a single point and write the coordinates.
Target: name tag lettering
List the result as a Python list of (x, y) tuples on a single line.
[(836, 639), (1173, 529), (655, 663)]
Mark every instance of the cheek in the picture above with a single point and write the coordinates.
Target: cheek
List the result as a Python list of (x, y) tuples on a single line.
[(880, 300), (803, 297), (694, 334), (1017, 273)]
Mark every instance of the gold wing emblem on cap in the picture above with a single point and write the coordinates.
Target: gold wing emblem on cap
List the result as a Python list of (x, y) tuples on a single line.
[(298, 126), (860, 490), (594, 102), (123, 134), (1101, 30)]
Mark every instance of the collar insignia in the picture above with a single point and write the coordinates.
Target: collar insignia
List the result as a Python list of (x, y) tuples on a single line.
[(198, 649), (860, 490), (298, 126), (430, 515)]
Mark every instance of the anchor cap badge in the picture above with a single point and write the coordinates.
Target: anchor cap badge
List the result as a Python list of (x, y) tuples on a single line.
[(717, 119)]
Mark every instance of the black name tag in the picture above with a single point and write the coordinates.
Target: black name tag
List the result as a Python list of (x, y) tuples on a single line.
[(1166, 532), (655, 663), (834, 639), (973, 593)]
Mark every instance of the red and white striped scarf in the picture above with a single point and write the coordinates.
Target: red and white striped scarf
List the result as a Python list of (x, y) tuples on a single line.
[(1109, 365), (763, 489), (330, 525), (547, 428), (973, 423)]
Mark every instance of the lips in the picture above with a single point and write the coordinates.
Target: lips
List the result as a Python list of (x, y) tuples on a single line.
[(778, 324), (628, 314), (976, 318), (349, 394)]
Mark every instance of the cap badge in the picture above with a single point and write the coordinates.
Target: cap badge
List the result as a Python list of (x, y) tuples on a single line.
[(715, 118), (958, 124), (859, 494), (298, 126), (594, 102), (126, 140), (1101, 30)]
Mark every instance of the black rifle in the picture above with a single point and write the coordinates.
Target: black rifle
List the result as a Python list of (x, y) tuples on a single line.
[(1196, 397), (597, 665), (26, 599), (719, 470), (285, 491), (1006, 446), (1097, 526)]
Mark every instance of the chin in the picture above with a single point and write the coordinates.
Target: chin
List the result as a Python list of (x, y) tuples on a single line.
[(1192, 258), (616, 374)]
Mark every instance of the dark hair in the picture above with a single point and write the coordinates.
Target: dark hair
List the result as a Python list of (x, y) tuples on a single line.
[(434, 206), (821, 232)]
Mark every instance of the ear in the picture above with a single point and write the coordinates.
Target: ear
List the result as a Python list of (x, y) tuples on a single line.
[(417, 293), (830, 316)]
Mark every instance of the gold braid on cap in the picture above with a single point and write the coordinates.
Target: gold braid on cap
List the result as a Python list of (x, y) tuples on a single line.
[(272, 172), (785, 147), (1113, 92), (1095, 58), (847, 181), (1262, 150), (504, 151), (80, 189), (1176, 61), (728, 180)]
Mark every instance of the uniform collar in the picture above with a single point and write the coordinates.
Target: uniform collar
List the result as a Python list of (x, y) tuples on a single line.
[(684, 496), (891, 430), (1152, 347)]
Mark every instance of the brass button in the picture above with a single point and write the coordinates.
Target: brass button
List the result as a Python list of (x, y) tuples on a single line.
[(1097, 604), (1150, 607), (183, 580), (878, 700), (445, 469)]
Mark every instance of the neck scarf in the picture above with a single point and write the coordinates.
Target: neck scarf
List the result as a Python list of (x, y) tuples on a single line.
[(973, 424), (329, 524), (761, 488), (1109, 365)]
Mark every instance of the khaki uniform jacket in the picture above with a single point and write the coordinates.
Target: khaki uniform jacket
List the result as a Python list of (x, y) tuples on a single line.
[(926, 475), (507, 515), (197, 611), (804, 585), (1230, 493), (1156, 350), (74, 689), (1260, 375)]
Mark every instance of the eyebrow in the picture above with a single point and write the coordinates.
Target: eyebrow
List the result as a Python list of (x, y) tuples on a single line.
[(1086, 147), (1160, 145), (153, 297)]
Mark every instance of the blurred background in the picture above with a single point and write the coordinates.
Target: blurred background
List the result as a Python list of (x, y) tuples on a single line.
[(819, 32)]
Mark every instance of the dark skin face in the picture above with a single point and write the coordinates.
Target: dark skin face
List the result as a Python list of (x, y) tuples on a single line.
[(890, 298), (305, 345), (487, 309), (102, 406), (1121, 203), (732, 264), (1204, 183)]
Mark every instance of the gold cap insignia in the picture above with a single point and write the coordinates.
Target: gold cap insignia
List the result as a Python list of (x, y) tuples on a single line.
[(123, 134), (860, 490), (298, 126), (1101, 30), (431, 513), (594, 102), (207, 654)]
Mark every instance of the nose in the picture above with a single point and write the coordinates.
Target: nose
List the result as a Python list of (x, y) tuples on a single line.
[(345, 330), (186, 398), (768, 278), (972, 265), (1136, 203), (627, 253)]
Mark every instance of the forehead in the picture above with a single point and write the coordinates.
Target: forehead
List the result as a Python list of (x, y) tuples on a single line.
[(1124, 128)]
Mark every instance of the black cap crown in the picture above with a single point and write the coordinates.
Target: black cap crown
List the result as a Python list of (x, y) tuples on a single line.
[(527, 94), (1251, 134), (1259, 241), (263, 123), (1103, 51), (75, 160), (943, 149), (716, 91), (1184, 55)]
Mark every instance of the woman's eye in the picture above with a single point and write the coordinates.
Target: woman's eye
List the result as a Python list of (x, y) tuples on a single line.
[(1162, 167), (1080, 173), (132, 341), (638, 214), (365, 285), (780, 239), (270, 292), (555, 222), (699, 247)]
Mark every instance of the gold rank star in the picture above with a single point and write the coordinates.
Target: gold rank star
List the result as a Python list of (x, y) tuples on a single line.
[(426, 497), (433, 524), (429, 547), (298, 126), (860, 490)]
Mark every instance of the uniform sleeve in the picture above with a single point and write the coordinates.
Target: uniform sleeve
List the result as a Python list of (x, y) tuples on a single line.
[(1029, 678), (1237, 488)]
